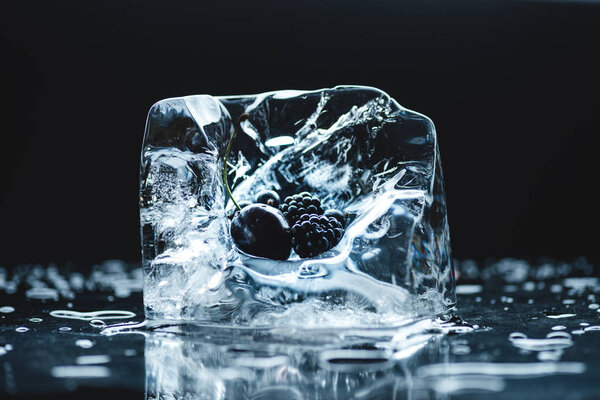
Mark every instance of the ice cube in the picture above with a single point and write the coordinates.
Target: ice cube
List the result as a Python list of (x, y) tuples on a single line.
[(355, 148)]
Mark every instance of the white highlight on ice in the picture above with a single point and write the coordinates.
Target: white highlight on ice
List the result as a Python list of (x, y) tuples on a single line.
[(280, 141)]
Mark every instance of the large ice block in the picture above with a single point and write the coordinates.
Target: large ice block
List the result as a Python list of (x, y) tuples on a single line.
[(354, 147)]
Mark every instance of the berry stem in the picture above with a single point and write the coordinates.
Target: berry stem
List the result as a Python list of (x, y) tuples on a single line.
[(242, 117)]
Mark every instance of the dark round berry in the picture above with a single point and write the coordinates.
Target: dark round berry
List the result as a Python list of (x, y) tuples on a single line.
[(261, 230), (242, 204), (268, 197), (338, 215), (314, 234), (297, 205)]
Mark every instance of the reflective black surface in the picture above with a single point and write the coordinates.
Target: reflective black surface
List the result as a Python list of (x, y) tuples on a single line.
[(526, 332)]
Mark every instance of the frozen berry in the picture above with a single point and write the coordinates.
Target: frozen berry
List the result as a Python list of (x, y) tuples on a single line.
[(314, 234), (261, 230), (337, 215), (293, 207), (268, 197)]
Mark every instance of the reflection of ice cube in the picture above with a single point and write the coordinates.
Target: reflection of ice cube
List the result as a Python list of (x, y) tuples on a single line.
[(355, 148), (203, 363)]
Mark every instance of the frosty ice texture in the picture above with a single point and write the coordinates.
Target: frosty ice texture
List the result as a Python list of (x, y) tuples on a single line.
[(354, 147)]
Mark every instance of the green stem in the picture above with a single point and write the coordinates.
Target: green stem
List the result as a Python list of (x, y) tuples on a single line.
[(242, 117)]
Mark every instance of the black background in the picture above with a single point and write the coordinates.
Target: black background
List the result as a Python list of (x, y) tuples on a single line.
[(511, 86)]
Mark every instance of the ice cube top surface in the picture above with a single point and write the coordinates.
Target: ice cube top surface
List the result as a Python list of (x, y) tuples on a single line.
[(353, 147)]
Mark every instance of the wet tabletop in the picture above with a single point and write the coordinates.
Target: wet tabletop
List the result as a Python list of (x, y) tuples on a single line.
[(520, 330)]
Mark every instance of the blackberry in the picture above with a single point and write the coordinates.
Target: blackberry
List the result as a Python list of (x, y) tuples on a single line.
[(293, 207), (340, 216), (314, 234)]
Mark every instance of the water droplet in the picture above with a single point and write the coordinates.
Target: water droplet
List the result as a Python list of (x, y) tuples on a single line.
[(581, 283), (500, 369), (35, 319), (84, 343), (550, 355), (22, 329), (529, 301), (8, 347), (64, 329), (569, 301), (556, 288), (92, 359), (594, 306), (130, 352), (592, 328), (584, 324), (97, 323), (559, 334), (510, 288), (7, 309), (76, 371), (517, 335), (578, 332), (91, 315), (559, 328), (461, 349), (42, 293), (559, 340), (560, 316)]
